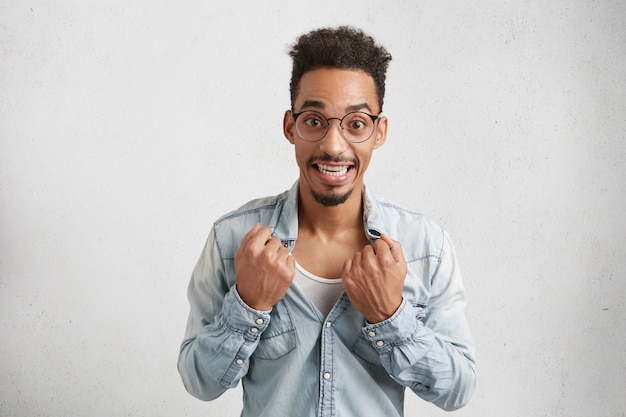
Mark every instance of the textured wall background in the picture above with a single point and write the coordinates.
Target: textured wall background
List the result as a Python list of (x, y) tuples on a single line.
[(127, 128)]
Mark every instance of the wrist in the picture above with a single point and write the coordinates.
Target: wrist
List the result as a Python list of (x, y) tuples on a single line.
[(384, 314), (251, 303)]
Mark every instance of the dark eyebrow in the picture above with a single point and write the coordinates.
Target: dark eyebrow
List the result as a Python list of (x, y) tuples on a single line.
[(319, 105), (312, 103), (357, 107)]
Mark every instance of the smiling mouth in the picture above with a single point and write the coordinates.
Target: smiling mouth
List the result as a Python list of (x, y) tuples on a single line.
[(333, 170)]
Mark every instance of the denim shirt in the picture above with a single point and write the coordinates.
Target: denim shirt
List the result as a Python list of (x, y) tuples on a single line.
[(293, 361)]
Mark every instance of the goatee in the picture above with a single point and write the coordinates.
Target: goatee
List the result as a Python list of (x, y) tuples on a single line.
[(330, 200)]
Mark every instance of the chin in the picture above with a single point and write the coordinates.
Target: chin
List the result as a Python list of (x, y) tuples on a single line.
[(331, 200)]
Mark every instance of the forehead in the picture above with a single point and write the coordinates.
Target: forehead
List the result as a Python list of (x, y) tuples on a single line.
[(336, 89)]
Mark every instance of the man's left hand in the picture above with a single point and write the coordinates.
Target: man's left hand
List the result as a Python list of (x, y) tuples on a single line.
[(374, 279)]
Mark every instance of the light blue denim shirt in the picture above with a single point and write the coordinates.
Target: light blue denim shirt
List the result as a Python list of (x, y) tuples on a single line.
[(294, 362)]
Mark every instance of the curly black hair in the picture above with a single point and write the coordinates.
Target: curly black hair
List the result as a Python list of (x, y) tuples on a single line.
[(344, 47)]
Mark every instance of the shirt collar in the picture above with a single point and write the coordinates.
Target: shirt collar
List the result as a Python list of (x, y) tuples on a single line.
[(372, 219), (287, 225)]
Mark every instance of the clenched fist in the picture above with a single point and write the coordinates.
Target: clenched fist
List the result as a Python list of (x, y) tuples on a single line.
[(374, 279), (264, 269)]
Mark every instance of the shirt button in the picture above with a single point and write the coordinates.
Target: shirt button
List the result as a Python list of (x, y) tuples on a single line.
[(372, 333), (328, 324), (254, 330), (239, 361), (259, 321), (327, 375), (379, 343)]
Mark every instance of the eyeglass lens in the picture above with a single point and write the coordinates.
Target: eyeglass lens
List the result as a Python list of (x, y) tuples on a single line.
[(354, 127)]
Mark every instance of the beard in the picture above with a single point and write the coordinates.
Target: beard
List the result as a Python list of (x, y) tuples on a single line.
[(330, 200)]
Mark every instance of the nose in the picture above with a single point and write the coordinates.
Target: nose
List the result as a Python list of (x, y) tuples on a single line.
[(333, 143)]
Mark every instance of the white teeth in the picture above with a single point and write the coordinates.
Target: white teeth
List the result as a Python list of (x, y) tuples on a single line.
[(332, 170)]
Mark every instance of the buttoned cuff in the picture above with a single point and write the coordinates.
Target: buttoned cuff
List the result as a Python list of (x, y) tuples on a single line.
[(396, 330), (242, 318)]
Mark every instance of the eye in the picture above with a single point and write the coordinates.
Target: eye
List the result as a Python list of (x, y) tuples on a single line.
[(313, 120), (357, 122)]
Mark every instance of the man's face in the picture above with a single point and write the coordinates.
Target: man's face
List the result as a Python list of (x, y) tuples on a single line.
[(332, 167)]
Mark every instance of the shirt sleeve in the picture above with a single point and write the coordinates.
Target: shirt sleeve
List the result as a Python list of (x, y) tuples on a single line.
[(430, 349), (222, 331)]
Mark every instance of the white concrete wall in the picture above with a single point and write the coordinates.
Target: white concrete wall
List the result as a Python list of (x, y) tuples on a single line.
[(127, 128)]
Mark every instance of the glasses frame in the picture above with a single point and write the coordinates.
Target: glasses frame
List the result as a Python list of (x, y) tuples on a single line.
[(341, 128)]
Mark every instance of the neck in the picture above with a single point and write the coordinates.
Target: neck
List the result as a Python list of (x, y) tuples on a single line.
[(318, 219)]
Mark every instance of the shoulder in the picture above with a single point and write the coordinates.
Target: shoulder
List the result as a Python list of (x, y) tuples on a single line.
[(420, 236), (230, 229), (254, 207), (257, 210)]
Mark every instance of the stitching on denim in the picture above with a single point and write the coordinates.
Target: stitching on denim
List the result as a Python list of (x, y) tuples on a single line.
[(408, 261), (238, 213), (219, 248), (439, 258), (398, 207)]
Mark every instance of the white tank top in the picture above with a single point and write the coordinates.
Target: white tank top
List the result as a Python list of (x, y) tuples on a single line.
[(323, 292)]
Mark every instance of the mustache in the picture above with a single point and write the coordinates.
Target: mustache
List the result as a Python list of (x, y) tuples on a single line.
[(335, 159)]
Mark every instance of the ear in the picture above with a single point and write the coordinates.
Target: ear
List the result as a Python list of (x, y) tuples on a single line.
[(288, 127), (381, 132)]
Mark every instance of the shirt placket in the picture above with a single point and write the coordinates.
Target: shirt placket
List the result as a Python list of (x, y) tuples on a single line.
[(327, 371), (328, 363)]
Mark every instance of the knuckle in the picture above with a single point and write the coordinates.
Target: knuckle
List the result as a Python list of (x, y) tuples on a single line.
[(386, 259), (266, 255), (252, 251)]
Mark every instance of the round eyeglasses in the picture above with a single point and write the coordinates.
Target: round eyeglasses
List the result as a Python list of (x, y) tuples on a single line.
[(355, 126)]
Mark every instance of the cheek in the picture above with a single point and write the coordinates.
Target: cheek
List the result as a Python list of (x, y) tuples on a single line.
[(364, 157), (302, 155)]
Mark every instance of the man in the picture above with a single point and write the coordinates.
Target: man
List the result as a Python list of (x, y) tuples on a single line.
[(323, 300)]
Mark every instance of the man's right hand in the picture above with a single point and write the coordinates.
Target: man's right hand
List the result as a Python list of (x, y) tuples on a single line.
[(264, 269)]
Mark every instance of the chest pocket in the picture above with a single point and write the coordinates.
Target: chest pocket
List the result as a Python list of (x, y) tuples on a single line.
[(280, 336)]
